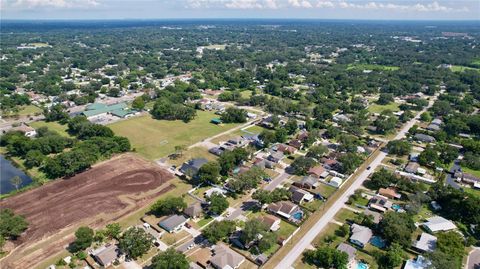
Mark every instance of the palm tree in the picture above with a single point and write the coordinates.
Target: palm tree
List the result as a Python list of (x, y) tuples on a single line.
[(16, 181)]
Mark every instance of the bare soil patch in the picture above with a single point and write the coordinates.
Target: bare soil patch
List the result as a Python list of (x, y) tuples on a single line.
[(106, 192)]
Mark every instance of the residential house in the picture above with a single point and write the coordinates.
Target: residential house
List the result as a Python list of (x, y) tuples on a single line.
[(307, 182), (318, 172), (330, 164), (295, 143), (351, 251), (262, 163), (299, 196), (380, 203), (438, 224), (225, 258), (361, 235), (286, 149), (419, 263), (271, 222), (412, 167), (106, 255), (173, 223), (27, 130), (390, 193), (202, 257), (192, 167), (275, 157), (426, 242), (194, 210), (335, 182), (424, 138), (377, 217), (283, 208), (216, 151)]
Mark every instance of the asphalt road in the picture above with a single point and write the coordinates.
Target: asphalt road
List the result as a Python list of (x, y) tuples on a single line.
[(306, 240), (276, 181)]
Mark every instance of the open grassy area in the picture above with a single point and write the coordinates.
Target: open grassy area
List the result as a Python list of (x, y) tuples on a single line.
[(375, 108), (286, 229), (472, 191), (196, 152), (471, 171), (459, 68), (154, 139), (476, 62), (345, 214), (54, 126), (246, 94), (28, 110), (324, 190), (375, 67)]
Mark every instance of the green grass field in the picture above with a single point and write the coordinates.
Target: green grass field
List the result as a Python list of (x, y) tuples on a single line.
[(29, 110), (471, 171), (157, 138), (54, 126), (375, 67), (375, 108), (459, 68)]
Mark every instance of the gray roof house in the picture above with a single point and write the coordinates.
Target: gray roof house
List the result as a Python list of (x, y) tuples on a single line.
[(173, 223), (360, 235), (437, 224), (426, 242), (307, 182), (192, 167), (424, 138), (225, 258), (351, 251), (194, 210), (106, 255)]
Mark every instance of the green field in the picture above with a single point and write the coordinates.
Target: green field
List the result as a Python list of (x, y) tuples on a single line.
[(471, 171), (374, 108), (54, 126), (374, 67), (459, 68), (157, 138), (29, 110)]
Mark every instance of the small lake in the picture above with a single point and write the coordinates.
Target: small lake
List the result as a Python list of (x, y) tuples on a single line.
[(7, 172)]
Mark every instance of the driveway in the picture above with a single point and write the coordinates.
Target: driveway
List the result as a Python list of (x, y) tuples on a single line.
[(242, 209), (450, 177), (473, 261), (276, 181)]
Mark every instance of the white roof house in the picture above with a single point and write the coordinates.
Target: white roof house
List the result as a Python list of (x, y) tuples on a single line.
[(437, 224), (360, 235), (336, 182), (426, 242), (419, 263)]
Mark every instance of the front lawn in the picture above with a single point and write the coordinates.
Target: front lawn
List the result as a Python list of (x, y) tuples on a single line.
[(345, 214), (154, 139), (376, 108), (374, 67), (53, 126)]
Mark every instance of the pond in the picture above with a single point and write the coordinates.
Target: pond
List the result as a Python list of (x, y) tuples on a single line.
[(7, 172)]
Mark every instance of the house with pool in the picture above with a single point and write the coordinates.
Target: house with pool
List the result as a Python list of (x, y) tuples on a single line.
[(287, 210)]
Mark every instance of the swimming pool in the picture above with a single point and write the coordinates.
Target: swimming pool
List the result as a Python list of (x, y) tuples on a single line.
[(361, 265), (297, 215), (378, 242), (396, 207)]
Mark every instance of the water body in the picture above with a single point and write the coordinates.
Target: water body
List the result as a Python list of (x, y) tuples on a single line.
[(7, 172)]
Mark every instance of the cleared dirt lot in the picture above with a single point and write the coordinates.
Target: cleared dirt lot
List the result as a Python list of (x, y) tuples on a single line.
[(106, 192)]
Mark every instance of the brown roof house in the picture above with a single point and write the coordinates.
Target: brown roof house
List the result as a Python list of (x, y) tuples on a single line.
[(225, 258), (271, 222), (193, 211), (318, 172), (283, 208), (412, 167), (389, 193), (295, 143)]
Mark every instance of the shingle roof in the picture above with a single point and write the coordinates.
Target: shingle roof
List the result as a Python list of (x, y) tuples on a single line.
[(172, 222), (226, 258), (361, 234), (347, 249)]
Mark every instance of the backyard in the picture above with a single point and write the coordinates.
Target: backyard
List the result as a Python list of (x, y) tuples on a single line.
[(154, 139), (375, 108), (53, 126)]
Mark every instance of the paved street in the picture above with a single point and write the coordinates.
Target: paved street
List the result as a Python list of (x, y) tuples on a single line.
[(306, 240), (276, 181)]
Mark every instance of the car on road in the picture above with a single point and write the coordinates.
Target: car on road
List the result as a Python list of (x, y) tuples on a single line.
[(188, 225), (267, 179), (368, 168)]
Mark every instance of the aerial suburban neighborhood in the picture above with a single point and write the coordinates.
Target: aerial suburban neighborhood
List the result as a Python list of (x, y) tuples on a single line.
[(240, 144)]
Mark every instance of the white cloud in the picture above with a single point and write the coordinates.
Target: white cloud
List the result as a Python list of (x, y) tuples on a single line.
[(59, 4), (325, 4), (419, 7), (300, 3)]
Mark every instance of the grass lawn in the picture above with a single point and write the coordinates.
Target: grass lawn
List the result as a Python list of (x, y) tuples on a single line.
[(196, 152), (250, 130), (375, 108), (286, 229), (476, 62), (246, 94), (53, 126), (375, 67), (459, 68), (325, 190), (204, 221), (475, 192), (345, 214), (157, 138), (314, 205), (173, 238), (471, 171), (328, 230), (28, 110)]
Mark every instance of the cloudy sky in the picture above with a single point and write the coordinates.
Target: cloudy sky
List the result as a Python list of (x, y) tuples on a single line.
[(308, 9)]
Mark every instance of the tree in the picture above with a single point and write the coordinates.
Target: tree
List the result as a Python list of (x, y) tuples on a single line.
[(426, 117), (301, 165), (251, 231), (247, 180), (234, 115), (168, 206), (209, 172), (138, 103), (217, 203), (267, 241), (11, 225), (267, 197), (179, 149), (291, 126), (113, 230), (268, 137), (83, 238), (385, 99), (135, 242), (34, 158), (399, 147), (350, 161), (442, 260), (317, 152), (169, 259), (397, 228), (326, 257), (230, 159), (218, 230), (428, 157), (392, 258), (16, 181), (452, 243), (56, 113)]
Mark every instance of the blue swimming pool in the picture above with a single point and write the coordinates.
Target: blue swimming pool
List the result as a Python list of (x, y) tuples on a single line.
[(298, 215), (378, 242), (361, 265), (396, 207)]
